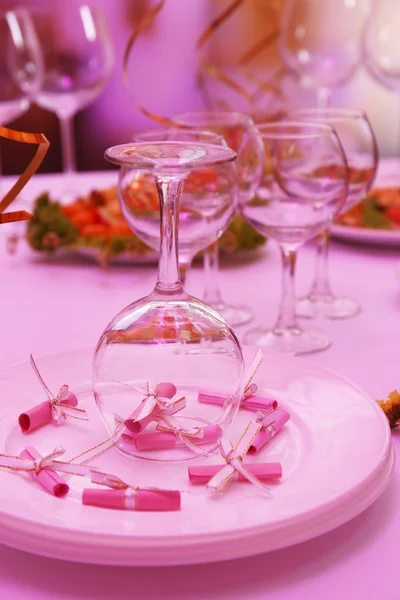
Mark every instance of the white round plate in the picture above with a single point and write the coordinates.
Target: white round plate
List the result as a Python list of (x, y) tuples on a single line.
[(336, 454), (388, 176), (363, 235)]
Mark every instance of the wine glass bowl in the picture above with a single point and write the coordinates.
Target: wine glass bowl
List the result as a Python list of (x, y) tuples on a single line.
[(167, 336), (380, 43), (21, 64), (205, 204), (78, 59), (320, 44), (241, 135), (304, 186)]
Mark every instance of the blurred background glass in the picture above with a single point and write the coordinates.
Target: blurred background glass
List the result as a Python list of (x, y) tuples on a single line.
[(178, 76)]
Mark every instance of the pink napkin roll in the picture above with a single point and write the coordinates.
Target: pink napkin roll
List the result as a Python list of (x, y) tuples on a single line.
[(164, 390), (49, 480), (162, 439), (263, 471), (128, 499), (272, 423), (41, 414), (250, 402)]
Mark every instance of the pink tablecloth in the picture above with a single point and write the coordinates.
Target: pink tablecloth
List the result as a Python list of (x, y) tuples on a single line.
[(49, 307)]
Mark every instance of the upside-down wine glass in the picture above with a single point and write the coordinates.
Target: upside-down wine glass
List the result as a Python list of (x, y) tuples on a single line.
[(203, 216), (241, 135), (78, 59), (297, 198), (320, 42), (168, 336), (359, 144)]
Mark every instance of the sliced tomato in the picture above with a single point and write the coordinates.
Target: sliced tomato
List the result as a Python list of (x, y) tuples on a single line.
[(393, 214), (95, 230), (85, 217)]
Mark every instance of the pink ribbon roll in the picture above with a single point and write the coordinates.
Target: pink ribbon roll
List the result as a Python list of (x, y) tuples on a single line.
[(42, 414), (263, 472), (54, 410), (140, 499), (155, 404), (248, 400), (271, 422), (48, 479), (170, 435)]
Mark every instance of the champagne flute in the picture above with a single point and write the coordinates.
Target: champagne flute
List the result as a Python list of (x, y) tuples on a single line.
[(78, 59), (241, 135), (361, 150), (320, 42), (299, 195)]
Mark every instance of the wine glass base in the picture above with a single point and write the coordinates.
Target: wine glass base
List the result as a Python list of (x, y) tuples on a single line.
[(235, 315), (326, 307), (288, 341)]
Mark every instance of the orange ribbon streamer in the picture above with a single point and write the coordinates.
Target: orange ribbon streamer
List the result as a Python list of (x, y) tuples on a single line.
[(43, 146), (215, 73), (145, 22)]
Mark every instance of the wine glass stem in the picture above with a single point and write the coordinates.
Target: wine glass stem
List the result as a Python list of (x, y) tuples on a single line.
[(212, 293), (67, 144), (184, 267), (323, 97), (321, 285), (287, 312), (169, 191)]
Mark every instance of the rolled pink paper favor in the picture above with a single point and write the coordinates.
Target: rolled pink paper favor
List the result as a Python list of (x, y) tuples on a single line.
[(263, 471), (272, 423), (164, 390), (163, 439), (259, 403), (128, 499), (251, 402), (41, 414), (49, 480)]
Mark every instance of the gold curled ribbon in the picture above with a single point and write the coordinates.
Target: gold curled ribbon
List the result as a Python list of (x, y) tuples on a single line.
[(206, 65), (43, 146), (145, 22), (248, 56)]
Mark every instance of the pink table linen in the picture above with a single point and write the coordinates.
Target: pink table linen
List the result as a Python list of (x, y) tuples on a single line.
[(68, 306)]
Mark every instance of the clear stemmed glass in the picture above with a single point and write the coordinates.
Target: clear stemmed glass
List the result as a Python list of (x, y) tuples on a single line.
[(78, 58), (21, 66), (304, 186), (199, 225), (21, 71), (168, 336), (320, 42), (361, 150), (241, 135), (381, 43)]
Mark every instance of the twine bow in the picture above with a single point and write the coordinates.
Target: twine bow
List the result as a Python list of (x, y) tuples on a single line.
[(59, 410), (19, 463), (187, 436), (153, 401), (233, 457)]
